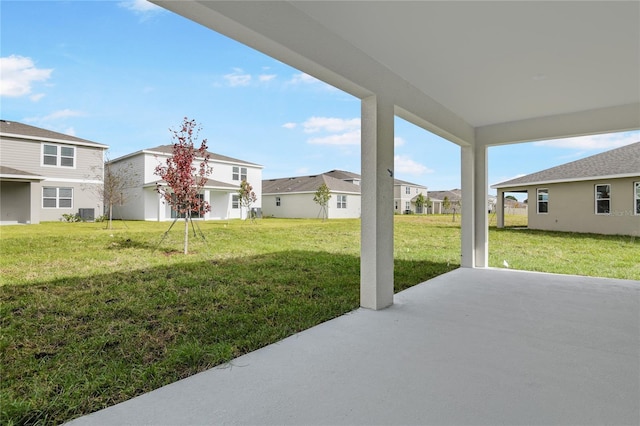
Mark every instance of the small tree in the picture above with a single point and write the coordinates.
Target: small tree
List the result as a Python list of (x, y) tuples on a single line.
[(247, 197), (322, 197), (429, 203), (117, 180), (420, 202), (185, 174), (446, 203)]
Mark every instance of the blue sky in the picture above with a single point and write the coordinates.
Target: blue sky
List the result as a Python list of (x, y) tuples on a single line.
[(122, 73)]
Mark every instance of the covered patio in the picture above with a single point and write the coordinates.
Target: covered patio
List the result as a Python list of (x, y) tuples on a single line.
[(476, 345), (471, 347)]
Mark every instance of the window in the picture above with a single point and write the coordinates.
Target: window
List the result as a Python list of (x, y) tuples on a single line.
[(407, 205), (57, 198), (407, 190), (342, 202), (235, 202), (194, 213), (543, 200), (58, 156), (277, 201), (603, 199), (637, 196), (239, 173)]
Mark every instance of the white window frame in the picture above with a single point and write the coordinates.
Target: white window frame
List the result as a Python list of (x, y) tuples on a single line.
[(538, 201), (596, 198), (239, 173), (341, 202), (407, 190), (56, 197), (407, 205), (235, 201), (278, 202), (59, 157), (636, 198)]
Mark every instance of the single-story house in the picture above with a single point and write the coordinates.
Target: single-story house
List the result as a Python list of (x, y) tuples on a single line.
[(142, 201), (345, 189), (45, 174), (598, 194), (293, 197)]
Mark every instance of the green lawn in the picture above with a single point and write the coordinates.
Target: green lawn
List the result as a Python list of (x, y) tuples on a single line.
[(91, 317)]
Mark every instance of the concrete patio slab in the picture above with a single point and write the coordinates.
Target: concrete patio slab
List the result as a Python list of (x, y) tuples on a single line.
[(471, 347)]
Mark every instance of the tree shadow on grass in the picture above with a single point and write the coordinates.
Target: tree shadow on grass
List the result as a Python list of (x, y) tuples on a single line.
[(76, 345)]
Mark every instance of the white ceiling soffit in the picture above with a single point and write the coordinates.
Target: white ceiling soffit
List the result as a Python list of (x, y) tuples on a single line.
[(486, 71)]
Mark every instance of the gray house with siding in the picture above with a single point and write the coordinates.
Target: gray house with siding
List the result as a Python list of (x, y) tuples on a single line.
[(45, 174), (598, 194)]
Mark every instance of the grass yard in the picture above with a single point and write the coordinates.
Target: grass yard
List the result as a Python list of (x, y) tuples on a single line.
[(91, 317)]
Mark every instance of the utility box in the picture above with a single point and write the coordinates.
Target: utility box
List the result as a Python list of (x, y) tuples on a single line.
[(88, 215)]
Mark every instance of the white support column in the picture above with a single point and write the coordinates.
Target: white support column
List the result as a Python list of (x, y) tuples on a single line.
[(467, 166), (376, 235), (481, 213), (500, 209)]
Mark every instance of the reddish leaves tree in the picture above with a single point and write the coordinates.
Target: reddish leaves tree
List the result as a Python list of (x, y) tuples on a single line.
[(185, 174)]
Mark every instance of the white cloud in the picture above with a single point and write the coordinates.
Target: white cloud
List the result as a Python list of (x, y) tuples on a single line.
[(266, 77), (238, 78), (70, 131), (348, 138), (18, 73), (140, 6), (289, 125), (594, 142), (398, 141), (55, 116), (404, 164), (328, 124), (303, 78), (36, 97)]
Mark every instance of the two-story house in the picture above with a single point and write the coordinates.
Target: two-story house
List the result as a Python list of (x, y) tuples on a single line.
[(142, 201), (45, 174)]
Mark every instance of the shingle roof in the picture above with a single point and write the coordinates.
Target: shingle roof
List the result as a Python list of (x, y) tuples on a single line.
[(307, 184), (168, 149), (10, 171), (343, 175), (452, 195), (32, 132), (619, 162)]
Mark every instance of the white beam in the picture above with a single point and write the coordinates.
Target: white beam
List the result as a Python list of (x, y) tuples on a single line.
[(467, 168), (376, 238), (480, 213), (603, 120)]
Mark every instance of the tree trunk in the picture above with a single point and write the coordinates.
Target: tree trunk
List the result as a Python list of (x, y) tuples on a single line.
[(186, 233), (110, 215)]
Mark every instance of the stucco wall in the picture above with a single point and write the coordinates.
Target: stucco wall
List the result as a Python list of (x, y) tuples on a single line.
[(572, 208)]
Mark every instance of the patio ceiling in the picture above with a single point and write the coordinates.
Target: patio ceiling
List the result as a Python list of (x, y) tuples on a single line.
[(472, 72)]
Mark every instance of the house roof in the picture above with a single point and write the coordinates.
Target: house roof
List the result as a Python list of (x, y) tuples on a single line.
[(11, 173), (344, 175), (452, 195), (25, 131), (619, 162), (168, 150), (307, 184)]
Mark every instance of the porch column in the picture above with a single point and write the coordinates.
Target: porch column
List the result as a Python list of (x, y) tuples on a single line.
[(500, 209), (481, 212), (376, 232), (467, 166)]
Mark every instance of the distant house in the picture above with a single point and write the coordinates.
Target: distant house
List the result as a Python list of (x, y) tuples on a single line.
[(45, 174), (142, 201), (598, 194), (437, 199), (292, 197)]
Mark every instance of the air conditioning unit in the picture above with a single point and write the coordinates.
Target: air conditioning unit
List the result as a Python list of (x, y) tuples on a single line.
[(87, 214)]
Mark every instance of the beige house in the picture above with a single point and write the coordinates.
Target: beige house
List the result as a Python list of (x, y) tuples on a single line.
[(598, 194), (45, 174), (293, 196)]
